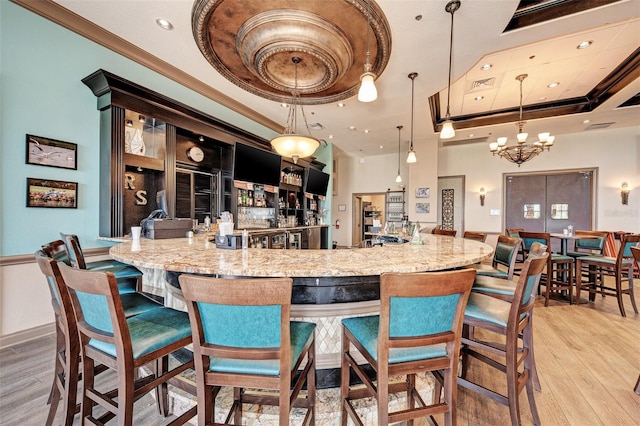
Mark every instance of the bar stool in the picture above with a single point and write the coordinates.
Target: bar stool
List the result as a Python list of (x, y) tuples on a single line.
[(123, 344), (129, 277), (243, 337), (620, 267), (504, 255), (560, 268), (418, 330), (477, 236), (513, 322), (440, 231), (67, 358)]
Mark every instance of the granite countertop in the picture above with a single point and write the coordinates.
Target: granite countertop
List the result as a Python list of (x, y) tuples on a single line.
[(199, 255)]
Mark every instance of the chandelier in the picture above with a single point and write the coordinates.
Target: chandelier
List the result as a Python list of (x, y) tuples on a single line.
[(522, 151), (291, 144)]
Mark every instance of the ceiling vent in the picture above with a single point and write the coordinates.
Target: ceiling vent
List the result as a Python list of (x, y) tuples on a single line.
[(597, 126), (316, 126), (485, 83), (456, 142)]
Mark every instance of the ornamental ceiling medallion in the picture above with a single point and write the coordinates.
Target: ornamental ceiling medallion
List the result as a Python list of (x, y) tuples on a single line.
[(252, 43)]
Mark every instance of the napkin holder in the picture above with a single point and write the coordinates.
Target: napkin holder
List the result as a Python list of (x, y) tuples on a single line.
[(229, 241)]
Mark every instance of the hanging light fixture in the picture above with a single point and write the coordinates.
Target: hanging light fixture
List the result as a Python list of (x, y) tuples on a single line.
[(368, 91), (411, 158), (399, 177), (290, 143), (521, 152), (448, 131)]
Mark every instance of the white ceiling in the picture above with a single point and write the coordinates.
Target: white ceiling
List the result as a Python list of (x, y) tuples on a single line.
[(422, 46)]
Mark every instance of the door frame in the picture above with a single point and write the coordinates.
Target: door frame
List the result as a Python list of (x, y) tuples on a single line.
[(593, 193), (356, 218)]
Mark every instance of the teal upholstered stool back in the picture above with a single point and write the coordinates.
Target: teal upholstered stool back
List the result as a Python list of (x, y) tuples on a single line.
[(419, 306), (418, 316), (241, 326), (506, 250), (596, 243)]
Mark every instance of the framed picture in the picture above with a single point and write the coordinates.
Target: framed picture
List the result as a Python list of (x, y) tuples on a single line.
[(423, 192), (423, 207), (52, 193), (50, 152)]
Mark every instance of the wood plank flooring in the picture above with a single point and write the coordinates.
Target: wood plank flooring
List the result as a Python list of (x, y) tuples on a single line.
[(588, 359)]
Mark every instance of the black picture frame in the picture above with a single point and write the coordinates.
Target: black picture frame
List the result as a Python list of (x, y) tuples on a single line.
[(42, 151), (50, 193)]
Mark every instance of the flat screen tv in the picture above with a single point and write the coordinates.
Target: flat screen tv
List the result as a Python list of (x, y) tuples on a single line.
[(256, 165), (316, 182)]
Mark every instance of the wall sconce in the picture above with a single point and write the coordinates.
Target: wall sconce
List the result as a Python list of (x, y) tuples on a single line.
[(624, 193), (482, 194)]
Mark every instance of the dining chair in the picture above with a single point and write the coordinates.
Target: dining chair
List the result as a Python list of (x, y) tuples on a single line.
[(477, 236), (508, 347), (440, 231), (124, 344), (243, 337), (418, 330), (590, 243), (129, 277), (504, 259), (620, 267), (559, 275)]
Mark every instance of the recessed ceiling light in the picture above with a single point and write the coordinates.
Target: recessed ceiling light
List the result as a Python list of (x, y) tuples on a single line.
[(164, 24), (584, 44), (330, 136), (486, 67), (542, 98), (366, 130), (552, 85), (471, 135), (418, 17), (341, 105), (479, 98), (586, 121), (352, 127), (381, 146), (284, 105)]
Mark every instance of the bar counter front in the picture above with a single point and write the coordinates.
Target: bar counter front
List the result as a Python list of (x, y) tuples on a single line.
[(328, 285)]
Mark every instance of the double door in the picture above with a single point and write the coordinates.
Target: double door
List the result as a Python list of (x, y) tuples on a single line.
[(549, 202)]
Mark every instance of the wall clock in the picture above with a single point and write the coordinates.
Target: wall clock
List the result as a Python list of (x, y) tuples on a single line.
[(195, 153)]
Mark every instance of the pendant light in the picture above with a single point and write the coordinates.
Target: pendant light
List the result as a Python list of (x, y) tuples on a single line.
[(291, 144), (368, 91), (448, 131), (399, 177), (411, 158)]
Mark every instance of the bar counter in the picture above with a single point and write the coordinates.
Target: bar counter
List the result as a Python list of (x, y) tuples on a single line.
[(328, 285)]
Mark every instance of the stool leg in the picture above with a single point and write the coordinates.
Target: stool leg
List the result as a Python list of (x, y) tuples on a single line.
[(529, 365), (527, 339), (162, 394), (619, 293), (72, 365), (512, 377), (58, 371), (633, 297)]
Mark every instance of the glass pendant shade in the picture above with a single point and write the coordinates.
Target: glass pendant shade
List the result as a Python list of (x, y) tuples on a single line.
[(447, 131), (399, 178), (522, 137), (368, 91), (411, 158), (295, 146)]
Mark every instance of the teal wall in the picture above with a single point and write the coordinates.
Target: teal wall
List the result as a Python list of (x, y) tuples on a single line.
[(41, 93)]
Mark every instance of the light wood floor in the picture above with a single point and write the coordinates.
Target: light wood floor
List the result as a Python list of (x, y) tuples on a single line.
[(588, 359)]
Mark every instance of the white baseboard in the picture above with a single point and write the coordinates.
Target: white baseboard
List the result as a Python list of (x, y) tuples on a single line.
[(26, 335)]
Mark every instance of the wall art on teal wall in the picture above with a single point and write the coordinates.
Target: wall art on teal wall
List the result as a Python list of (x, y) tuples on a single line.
[(50, 152), (52, 193)]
